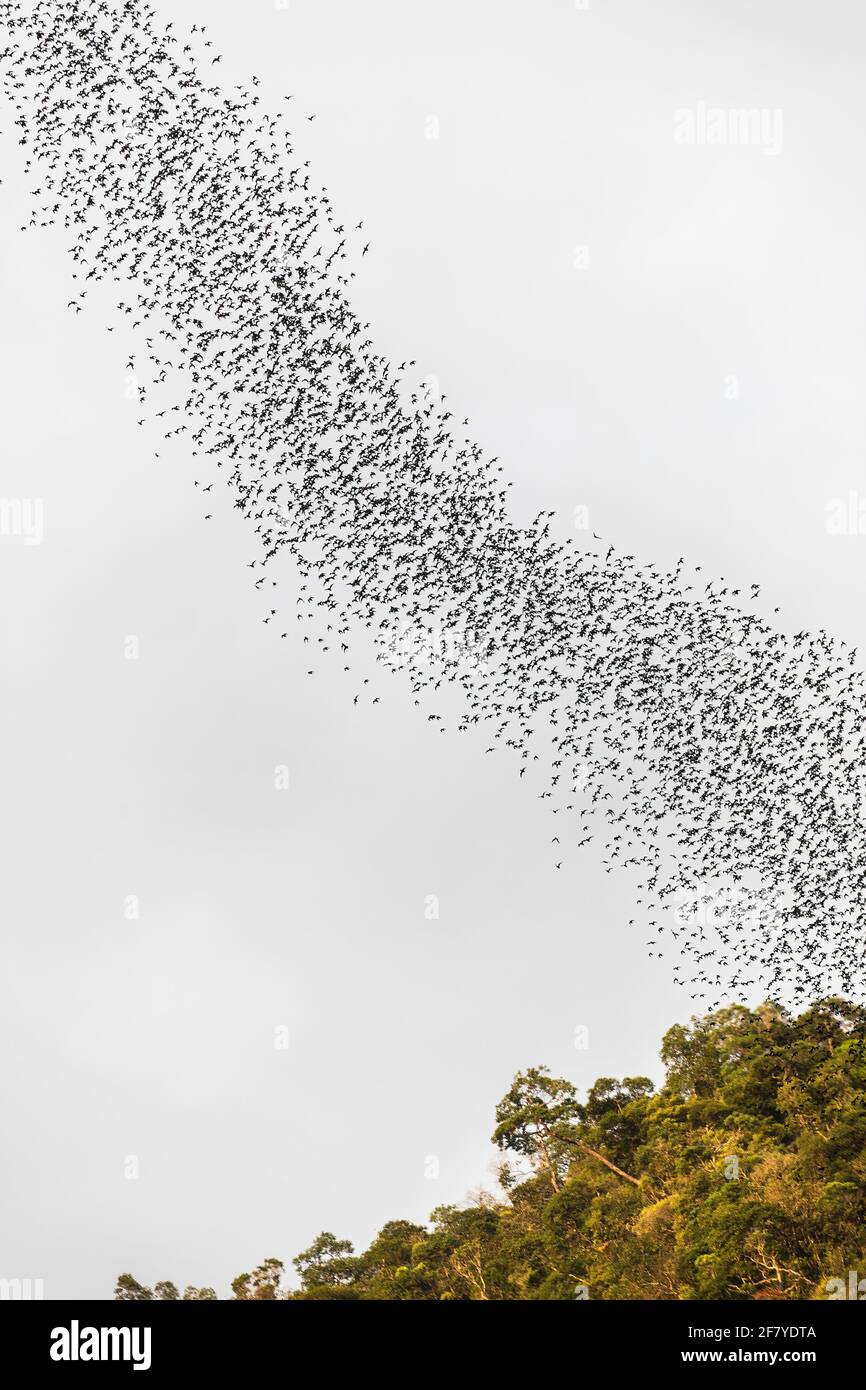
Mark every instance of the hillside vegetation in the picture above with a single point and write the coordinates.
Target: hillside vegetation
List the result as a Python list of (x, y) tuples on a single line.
[(743, 1177)]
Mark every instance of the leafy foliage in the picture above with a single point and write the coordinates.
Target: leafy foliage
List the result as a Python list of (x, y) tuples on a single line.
[(744, 1177)]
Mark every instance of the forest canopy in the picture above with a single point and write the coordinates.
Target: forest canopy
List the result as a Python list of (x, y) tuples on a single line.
[(742, 1177)]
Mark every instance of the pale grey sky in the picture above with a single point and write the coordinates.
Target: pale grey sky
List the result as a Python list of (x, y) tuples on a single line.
[(670, 335)]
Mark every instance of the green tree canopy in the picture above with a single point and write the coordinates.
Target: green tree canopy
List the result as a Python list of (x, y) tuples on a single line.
[(742, 1177)]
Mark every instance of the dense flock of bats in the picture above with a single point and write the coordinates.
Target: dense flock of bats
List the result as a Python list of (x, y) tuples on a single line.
[(719, 760)]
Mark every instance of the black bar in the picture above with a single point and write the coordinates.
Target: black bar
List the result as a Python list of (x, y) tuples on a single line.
[(228, 1338)]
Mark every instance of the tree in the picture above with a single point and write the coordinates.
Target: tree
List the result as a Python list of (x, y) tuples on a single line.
[(532, 1116), (328, 1262), (128, 1290), (743, 1177), (263, 1285)]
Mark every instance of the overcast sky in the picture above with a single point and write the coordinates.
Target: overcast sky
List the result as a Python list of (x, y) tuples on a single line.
[(639, 321)]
